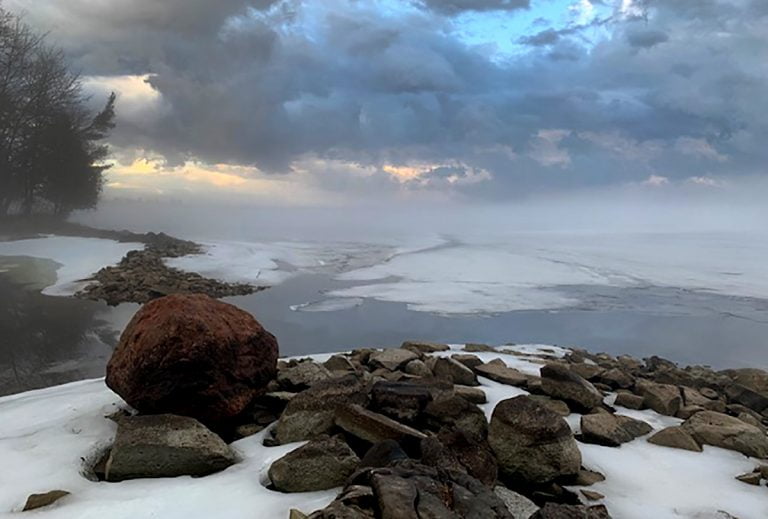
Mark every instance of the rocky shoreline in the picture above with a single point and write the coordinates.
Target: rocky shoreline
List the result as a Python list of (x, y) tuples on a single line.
[(141, 275), (402, 432)]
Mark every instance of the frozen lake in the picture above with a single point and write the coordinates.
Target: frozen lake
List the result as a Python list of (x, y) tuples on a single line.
[(691, 297)]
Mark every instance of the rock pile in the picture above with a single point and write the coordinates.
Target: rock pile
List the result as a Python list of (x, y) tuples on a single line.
[(142, 275), (400, 431)]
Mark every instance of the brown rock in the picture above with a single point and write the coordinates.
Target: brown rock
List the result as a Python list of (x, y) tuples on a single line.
[(675, 437), (456, 372), (728, 432), (36, 501), (629, 401), (424, 347), (561, 383), (391, 359), (611, 430), (591, 495), (751, 478), (472, 394), (469, 360), (662, 398), (194, 356), (588, 371), (498, 371), (373, 427), (687, 411)]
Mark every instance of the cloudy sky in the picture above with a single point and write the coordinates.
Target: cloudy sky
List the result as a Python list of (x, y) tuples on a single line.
[(311, 102)]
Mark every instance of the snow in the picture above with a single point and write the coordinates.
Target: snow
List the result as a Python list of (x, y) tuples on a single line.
[(78, 258), (46, 435), (526, 271)]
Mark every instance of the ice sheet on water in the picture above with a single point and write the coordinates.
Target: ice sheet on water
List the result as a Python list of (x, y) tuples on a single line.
[(78, 258)]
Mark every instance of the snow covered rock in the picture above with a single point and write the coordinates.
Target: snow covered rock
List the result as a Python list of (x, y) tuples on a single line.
[(193, 356), (157, 446), (611, 430), (321, 464), (721, 430), (559, 382), (531, 442), (311, 413)]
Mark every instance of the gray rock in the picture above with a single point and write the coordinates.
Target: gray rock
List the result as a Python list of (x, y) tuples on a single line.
[(531, 442), (373, 427), (339, 363), (392, 359), (753, 378), (383, 454), (403, 401), (302, 376), (588, 371), (158, 446), (616, 378), (587, 478), (417, 368), (555, 511), (498, 371), (518, 505), (745, 396), (662, 398), (456, 372), (478, 348), (728, 432), (424, 347), (557, 406), (311, 413), (559, 382), (629, 401), (36, 501), (457, 413), (687, 411), (321, 464), (471, 394), (469, 360), (611, 430), (675, 437)]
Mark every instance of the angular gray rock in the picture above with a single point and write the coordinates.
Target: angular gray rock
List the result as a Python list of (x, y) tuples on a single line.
[(498, 371), (559, 382), (311, 413), (403, 401), (629, 401), (471, 394), (452, 370), (158, 446), (728, 432), (469, 360), (417, 368), (391, 359), (518, 505), (321, 464), (373, 427), (424, 347), (556, 511), (457, 413), (611, 430), (302, 376), (616, 378), (531, 442)]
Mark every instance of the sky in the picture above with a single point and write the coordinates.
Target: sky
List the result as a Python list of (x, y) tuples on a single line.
[(318, 103)]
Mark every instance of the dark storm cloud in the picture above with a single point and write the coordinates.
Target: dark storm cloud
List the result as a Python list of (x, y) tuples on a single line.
[(672, 88)]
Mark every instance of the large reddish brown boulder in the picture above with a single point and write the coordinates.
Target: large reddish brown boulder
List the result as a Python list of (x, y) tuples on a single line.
[(191, 355)]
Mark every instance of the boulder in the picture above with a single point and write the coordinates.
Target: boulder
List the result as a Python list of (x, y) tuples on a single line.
[(471, 394), (373, 427), (311, 413), (452, 370), (518, 505), (611, 430), (424, 347), (557, 406), (454, 450), (616, 379), (194, 356), (478, 348), (302, 376), (728, 432), (457, 413), (383, 454), (498, 371), (469, 360), (588, 371), (339, 363), (165, 446), (36, 501), (403, 401), (559, 382), (321, 464), (675, 437), (391, 359), (629, 401), (752, 378), (417, 368), (738, 394), (532, 443), (662, 398)]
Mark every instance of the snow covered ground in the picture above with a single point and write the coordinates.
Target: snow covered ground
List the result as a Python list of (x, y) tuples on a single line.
[(47, 437), (78, 258)]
